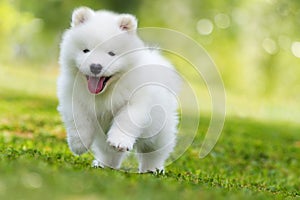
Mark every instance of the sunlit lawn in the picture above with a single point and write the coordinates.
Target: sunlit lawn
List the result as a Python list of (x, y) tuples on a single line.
[(252, 159)]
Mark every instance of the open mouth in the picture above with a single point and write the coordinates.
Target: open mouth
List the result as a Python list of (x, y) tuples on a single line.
[(97, 84)]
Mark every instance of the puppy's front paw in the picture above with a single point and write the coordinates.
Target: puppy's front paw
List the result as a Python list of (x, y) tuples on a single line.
[(121, 142)]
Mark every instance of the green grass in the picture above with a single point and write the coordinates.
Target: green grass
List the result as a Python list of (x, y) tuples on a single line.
[(252, 159)]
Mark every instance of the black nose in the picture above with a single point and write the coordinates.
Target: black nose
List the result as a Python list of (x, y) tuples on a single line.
[(95, 68)]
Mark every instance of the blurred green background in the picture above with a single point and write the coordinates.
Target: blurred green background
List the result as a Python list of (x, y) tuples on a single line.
[(255, 44)]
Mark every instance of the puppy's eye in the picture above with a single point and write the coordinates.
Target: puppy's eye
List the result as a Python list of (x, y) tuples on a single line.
[(111, 53), (86, 50)]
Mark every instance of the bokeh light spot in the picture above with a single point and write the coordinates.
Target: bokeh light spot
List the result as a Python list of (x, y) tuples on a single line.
[(205, 26), (32, 180), (296, 49), (270, 46), (222, 20)]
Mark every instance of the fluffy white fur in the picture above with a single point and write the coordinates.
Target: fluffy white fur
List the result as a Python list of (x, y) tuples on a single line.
[(137, 106)]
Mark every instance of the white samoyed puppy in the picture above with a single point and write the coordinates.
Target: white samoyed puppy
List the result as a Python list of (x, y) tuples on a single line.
[(115, 93)]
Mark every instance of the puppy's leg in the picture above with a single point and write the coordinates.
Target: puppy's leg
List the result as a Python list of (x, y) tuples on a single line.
[(81, 127), (108, 158), (79, 138), (127, 127), (152, 155), (105, 155)]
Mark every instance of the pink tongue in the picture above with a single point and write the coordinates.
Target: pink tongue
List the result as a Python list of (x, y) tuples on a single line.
[(95, 84)]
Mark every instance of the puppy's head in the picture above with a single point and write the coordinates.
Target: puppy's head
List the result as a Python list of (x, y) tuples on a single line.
[(98, 44)]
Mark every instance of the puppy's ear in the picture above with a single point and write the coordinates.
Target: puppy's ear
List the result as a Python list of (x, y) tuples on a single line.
[(81, 15), (127, 22)]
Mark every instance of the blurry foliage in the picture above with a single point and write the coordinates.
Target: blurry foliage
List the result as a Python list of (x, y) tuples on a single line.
[(250, 41), (15, 30)]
